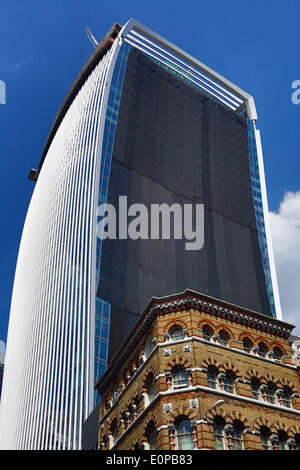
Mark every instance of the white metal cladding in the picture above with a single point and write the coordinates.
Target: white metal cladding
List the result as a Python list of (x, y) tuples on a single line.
[(48, 382), (218, 87)]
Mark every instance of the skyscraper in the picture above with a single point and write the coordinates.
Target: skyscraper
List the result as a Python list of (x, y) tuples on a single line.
[(144, 120)]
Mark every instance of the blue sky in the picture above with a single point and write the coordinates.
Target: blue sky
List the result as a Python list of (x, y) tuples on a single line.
[(253, 43)]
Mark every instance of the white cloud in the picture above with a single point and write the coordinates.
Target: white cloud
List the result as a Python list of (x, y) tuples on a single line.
[(285, 228)]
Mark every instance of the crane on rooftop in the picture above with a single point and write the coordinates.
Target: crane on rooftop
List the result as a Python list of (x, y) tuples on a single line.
[(91, 37)]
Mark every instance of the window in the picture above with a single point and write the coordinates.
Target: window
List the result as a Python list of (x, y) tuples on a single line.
[(151, 390), (212, 374), (248, 345), (270, 390), (184, 435), (131, 414), (228, 380), (232, 438), (255, 386), (277, 354), (149, 346), (265, 438), (297, 441), (282, 438), (219, 433), (114, 432), (262, 350), (207, 333), (223, 338), (222, 381), (134, 410), (180, 377), (176, 333), (153, 440), (151, 434), (286, 397), (237, 436), (115, 395)]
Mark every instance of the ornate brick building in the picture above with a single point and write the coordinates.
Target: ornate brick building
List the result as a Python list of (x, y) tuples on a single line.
[(199, 373)]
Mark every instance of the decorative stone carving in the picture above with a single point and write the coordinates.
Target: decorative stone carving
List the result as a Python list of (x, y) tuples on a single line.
[(167, 407), (194, 403)]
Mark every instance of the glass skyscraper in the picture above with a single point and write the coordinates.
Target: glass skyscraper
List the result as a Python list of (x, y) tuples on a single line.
[(146, 120)]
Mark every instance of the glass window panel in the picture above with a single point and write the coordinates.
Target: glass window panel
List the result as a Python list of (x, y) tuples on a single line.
[(185, 435), (219, 435), (151, 390), (104, 329), (212, 378), (237, 437), (180, 378), (106, 310), (103, 349), (177, 334), (228, 383), (206, 333)]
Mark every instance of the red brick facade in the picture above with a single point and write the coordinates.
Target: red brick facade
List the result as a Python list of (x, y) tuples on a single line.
[(198, 373)]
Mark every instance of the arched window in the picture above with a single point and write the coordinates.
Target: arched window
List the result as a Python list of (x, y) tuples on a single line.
[(134, 409), (237, 436), (151, 390), (212, 377), (223, 338), (282, 440), (149, 346), (255, 387), (176, 333), (227, 382), (262, 350), (247, 344), (286, 397), (114, 432), (207, 332), (277, 354), (184, 435), (180, 377), (265, 438), (153, 440), (115, 395), (270, 391), (151, 434), (219, 435)]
